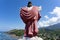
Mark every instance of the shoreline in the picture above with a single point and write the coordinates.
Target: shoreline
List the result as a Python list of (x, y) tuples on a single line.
[(13, 35)]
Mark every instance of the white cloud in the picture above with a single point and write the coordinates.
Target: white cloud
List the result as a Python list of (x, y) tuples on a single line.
[(40, 8), (56, 11), (41, 24), (53, 20), (46, 17)]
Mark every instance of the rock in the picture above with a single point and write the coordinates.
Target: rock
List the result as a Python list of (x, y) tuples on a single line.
[(33, 38)]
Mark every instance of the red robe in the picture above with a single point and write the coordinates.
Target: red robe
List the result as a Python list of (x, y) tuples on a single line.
[(30, 18)]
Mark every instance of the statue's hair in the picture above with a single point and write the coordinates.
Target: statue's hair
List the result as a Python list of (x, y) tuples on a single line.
[(29, 2)]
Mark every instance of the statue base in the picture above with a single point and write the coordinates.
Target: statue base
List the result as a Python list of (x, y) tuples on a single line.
[(33, 38)]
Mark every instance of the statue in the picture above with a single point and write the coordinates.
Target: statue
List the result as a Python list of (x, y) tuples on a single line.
[(30, 16)]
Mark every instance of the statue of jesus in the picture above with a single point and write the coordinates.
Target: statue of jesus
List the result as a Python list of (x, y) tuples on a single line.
[(30, 16)]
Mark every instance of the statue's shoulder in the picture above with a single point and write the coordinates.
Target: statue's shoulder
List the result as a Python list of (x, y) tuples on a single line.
[(35, 6), (24, 8), (38, 7)]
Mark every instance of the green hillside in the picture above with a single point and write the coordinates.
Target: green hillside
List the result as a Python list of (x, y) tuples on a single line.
[(46, 34)]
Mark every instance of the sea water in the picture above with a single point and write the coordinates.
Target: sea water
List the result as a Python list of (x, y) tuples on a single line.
[(4, 36)]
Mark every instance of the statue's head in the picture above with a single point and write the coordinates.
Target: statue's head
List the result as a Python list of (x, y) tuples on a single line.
[(29, 4)]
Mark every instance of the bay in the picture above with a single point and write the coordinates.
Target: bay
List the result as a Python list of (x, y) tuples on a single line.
[(4, 36)]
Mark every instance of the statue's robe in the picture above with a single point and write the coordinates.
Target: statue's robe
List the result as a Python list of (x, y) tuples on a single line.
[(30, 18)]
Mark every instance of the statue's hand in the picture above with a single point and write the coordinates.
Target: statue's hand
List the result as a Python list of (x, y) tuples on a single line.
[(35, 18)]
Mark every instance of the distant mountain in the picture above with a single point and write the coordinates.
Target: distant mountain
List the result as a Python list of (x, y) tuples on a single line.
[(52, 27), (55, 26)]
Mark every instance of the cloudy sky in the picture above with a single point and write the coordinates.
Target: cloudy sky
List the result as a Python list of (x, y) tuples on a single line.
[(10, 9)]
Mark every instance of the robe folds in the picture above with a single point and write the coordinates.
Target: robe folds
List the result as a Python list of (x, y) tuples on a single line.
[(30, 18)]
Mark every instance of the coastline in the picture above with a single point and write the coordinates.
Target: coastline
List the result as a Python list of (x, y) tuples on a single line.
[(13, 35), (43, 33)]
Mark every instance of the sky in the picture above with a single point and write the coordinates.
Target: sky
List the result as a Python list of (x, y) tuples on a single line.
[(10, 10)]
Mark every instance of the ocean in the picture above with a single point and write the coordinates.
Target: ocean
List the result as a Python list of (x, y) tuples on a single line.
[(4, 36)]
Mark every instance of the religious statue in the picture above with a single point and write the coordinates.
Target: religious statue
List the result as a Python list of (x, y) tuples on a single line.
[(30, 16)]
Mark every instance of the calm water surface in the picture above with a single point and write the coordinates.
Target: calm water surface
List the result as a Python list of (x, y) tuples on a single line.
[(6, 37)]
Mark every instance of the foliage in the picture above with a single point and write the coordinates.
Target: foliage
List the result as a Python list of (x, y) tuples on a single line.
[(16, 32), (46, 34)]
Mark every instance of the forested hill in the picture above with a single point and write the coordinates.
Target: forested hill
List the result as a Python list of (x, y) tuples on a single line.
[(46, 34)]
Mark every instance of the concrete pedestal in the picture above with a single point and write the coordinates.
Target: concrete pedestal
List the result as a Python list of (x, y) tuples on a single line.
[(33, 38)]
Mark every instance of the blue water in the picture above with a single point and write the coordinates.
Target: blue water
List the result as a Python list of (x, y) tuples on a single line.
[(6, 37)]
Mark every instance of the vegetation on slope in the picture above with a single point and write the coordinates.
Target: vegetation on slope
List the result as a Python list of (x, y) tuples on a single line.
[(46, 34)]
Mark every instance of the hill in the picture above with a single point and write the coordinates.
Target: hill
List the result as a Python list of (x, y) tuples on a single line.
[(46, 34), (54, 27)]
